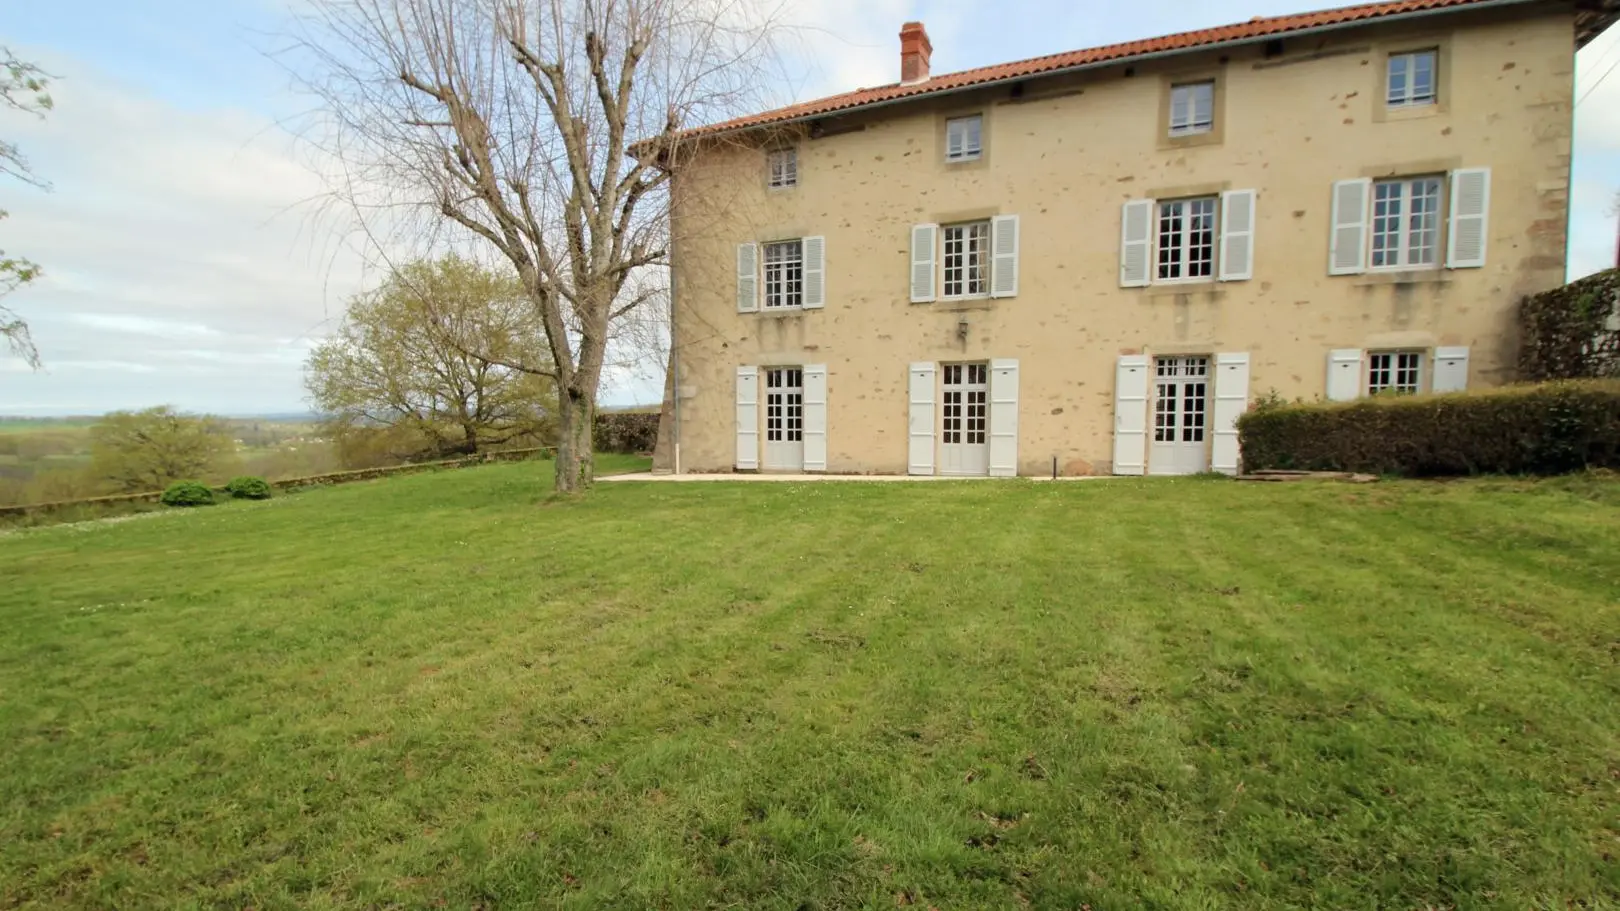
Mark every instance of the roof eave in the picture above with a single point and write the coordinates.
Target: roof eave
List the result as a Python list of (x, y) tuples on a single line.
[(701, 133)]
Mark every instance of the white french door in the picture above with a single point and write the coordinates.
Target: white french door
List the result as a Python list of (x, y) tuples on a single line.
[(964, 442), (784, 419), (1180, 415)]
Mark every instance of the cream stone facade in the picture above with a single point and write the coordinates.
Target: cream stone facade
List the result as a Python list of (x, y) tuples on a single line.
[(1081, 352)]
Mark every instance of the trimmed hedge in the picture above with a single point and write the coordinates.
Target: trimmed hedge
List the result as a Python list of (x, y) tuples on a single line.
[(248, 488), (626, 431), (1544, 429), (188, 493)]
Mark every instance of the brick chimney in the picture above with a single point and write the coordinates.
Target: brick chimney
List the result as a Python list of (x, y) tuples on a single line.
[(915, 49)]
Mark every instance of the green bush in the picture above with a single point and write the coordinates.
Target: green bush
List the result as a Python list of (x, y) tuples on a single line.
[(188, 493), (1543, 429), (626, 431), (248, 488)]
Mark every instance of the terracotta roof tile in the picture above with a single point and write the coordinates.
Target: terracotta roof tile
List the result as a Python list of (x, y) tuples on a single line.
[(1254, 29)]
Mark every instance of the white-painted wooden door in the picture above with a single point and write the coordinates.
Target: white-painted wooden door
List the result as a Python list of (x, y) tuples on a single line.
[(784, 419), (964, 446), (1180, 416)]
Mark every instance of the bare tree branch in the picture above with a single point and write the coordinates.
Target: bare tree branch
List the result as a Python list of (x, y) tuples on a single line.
[(509, 125), (23, 87)]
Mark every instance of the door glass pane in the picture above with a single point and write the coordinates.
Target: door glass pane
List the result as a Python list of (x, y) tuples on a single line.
[(1164, 413)]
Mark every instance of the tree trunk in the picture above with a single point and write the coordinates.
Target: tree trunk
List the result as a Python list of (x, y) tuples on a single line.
[(576, 420)]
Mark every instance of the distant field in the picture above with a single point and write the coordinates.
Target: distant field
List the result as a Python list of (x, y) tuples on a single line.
[(43, 459), (444, 690), (34, 425)]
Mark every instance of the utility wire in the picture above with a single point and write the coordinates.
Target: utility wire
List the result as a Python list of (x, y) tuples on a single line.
[(1588, 93)]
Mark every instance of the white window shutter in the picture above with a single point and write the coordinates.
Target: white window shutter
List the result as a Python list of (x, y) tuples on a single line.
[(815, 272), (1130, 415), (924, 247), (1347, 252), (815, 417), (1450, 370), (1004, 256), (1003, 418), (1231, 400), (748, 418), (1136, 244), (1344, 374), (1470, 218), (747, 278), (1237, 235), (920, 417)]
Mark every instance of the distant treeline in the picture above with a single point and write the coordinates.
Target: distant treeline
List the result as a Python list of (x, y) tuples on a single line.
[(48, 460)]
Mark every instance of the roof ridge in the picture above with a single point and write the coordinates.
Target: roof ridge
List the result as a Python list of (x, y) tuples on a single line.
[(1256, 28)]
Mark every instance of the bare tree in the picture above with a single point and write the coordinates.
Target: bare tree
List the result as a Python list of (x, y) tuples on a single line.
[(544, 129), (22, 88)]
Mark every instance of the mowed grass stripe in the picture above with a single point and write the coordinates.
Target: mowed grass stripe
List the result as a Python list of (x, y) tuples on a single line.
[(1173, 694)]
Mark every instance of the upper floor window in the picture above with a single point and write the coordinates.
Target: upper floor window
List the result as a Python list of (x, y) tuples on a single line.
[(1192, 108), (1410, 222), (1406, 223), (967, 259), (1186, 239), (784, 274), (1400, 372), (784, 168), (964, 138), (1411, 79)]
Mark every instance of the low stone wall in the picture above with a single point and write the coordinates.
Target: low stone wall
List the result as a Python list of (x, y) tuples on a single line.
[(1573, 332), (366, 474), (116, 503)]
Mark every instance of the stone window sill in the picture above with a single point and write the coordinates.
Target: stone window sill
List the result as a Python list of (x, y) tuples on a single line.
[(954, 304), (1404, 277)]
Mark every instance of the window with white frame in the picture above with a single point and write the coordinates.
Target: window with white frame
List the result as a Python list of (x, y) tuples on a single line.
[(784, 168), (967, 259), (1406, 223), (1186, 230), (784, 274), (1400, 372), (1412, 79), (964, 138), (1192, 108)]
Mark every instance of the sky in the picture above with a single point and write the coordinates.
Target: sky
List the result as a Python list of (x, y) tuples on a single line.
[(185, 260)]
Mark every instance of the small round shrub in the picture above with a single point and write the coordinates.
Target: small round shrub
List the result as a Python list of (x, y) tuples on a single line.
[(188, 493), (248, 488)]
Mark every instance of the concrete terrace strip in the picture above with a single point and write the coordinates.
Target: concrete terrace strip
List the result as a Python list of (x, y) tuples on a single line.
[(800, 478)]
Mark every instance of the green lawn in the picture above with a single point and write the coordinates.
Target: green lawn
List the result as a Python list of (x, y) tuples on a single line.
[(445, 690)]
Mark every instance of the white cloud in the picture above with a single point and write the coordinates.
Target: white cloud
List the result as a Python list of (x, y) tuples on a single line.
[(1597, 91), (141, 325), (840, 45), (178, 264), (1596, 175)]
